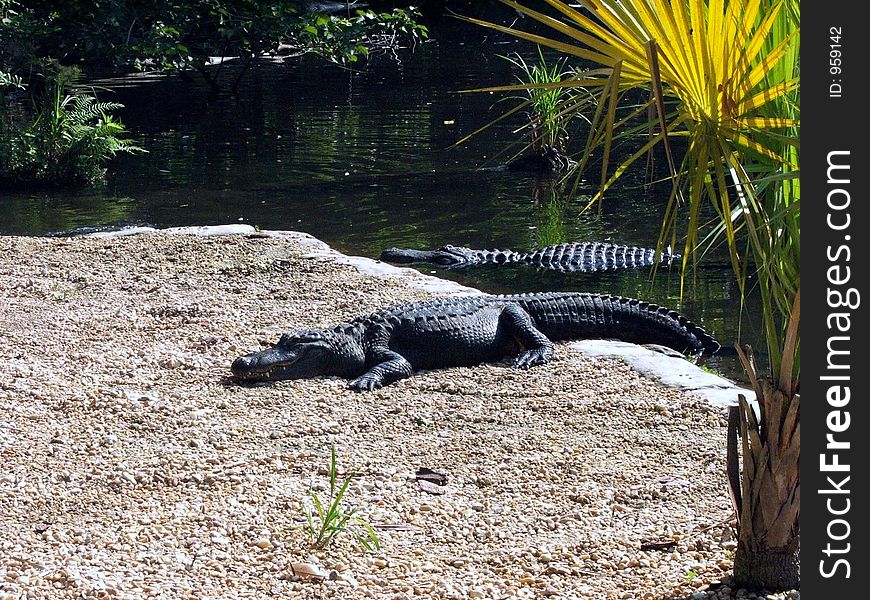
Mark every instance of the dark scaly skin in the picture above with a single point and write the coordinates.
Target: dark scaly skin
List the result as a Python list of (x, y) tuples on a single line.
[(576, 257), (391, 344)]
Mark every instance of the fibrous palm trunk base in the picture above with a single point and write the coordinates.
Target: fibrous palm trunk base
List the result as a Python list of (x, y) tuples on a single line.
[(766, 494), (766, 568)]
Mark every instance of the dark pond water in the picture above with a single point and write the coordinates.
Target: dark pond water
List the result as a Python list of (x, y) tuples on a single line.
[(364, 160)]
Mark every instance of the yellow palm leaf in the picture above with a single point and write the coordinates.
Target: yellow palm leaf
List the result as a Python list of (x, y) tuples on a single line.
[(758, 38), (609, 46), (761, 70), (755, 146), (767, 95), (568, 83), (767, 123), (549, 43), (674, 52)]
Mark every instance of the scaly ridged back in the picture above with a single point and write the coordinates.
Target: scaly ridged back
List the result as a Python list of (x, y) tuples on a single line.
[(565, 316), (593, 256)]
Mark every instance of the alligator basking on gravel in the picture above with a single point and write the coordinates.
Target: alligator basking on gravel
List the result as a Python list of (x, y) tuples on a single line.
[(388, 345), (577, 257)]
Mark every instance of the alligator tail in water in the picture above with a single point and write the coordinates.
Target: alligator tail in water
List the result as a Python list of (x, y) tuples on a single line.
[(577, 257), (391, 344)]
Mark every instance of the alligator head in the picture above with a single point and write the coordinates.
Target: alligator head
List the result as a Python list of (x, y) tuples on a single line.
[(299, 355), (446, 256)]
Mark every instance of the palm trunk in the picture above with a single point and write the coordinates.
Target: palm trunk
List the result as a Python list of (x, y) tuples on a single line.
[(763, 568), (767, 493)]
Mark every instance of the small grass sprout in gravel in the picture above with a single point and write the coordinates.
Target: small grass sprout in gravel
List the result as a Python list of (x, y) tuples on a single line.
[(331, 518)]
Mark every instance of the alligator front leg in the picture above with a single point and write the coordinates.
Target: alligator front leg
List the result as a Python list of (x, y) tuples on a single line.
[(390, 366), (538, 347)]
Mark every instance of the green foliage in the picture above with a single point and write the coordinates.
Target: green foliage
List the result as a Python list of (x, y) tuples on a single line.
[(67, 140), (171, 35), (549, 108), (10, 81), (165, 34), (176, 36), (330, 518), (9, 84), (346, 39)]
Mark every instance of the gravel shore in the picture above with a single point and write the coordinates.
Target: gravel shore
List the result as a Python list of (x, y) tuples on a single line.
[(132, 467)]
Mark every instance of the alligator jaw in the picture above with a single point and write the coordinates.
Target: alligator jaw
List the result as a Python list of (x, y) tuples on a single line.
[(272, 364)]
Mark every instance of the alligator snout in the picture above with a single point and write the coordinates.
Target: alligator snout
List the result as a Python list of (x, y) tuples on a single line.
[(290, 358), (398, 256), (445, 257), (263, 365), (242, 365)]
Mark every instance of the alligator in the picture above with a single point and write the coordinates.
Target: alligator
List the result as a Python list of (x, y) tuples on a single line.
[(577, 257), (389, 345)]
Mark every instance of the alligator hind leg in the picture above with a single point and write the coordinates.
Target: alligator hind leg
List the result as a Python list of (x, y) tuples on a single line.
[(519, 324), (390, 366)]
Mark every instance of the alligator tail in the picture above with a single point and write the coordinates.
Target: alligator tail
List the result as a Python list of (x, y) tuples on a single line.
[(566, 316)]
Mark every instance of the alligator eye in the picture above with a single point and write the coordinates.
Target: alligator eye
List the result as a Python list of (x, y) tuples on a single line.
[(306, 346), (300, 336)]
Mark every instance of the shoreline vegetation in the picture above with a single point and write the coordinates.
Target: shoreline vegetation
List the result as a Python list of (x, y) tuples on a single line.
[(55, 132), (133, 467)]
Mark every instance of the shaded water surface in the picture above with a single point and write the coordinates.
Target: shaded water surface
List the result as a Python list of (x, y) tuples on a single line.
[(364, 160)]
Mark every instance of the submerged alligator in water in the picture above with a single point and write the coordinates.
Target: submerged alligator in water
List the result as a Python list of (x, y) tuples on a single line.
[(389, 345), (578, 257)]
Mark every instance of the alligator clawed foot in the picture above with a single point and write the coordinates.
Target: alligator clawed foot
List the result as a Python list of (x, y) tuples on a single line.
[(366, 383), (531, 358)]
